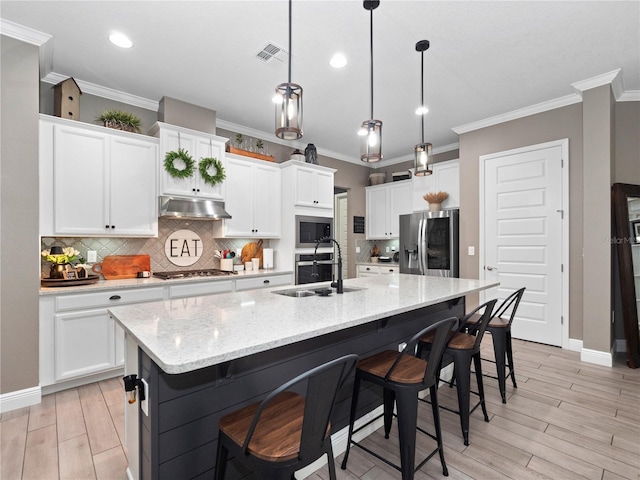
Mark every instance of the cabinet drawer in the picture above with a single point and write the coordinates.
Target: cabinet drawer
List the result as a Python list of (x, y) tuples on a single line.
[(204, 288), (263, 282), (108, 298), (390, 269), (370, 269)]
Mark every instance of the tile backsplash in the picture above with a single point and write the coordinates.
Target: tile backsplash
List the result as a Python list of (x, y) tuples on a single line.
[(154, 247), (366, 246)]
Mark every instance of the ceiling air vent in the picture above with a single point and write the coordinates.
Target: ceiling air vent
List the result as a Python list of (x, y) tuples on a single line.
[(272, 52)]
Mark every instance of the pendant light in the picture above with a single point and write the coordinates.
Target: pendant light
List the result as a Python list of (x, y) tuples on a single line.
[(422, 151), (288, 102), (371, 130)]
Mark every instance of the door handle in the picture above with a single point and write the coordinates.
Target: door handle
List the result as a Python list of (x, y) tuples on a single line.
[(491, 268)]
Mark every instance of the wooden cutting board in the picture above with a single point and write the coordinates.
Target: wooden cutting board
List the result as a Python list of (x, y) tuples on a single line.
[(114, 267), (252, 250)]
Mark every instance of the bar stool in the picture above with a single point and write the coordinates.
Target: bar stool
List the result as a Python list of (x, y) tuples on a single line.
[(500, 329), (402, 375), (463, 348), (286, 431)]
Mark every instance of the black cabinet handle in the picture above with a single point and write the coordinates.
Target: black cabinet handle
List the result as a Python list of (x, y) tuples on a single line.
[(106, 226), (113, 226), (368, 268), (266, 281), (115, 297)]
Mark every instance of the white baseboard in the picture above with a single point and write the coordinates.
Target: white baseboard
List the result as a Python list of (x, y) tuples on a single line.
[(20, 399), (596, 356), (575, 345)]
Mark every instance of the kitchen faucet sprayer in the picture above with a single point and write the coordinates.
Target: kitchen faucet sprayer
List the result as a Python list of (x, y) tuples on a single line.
[(314, 269)]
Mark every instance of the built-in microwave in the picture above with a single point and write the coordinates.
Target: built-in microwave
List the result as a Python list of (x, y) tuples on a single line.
[(311, 229)]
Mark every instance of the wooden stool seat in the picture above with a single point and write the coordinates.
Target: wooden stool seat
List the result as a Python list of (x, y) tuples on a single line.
[(459, 341), (277, 435), (289, 429), (409, 369), (496, 322)]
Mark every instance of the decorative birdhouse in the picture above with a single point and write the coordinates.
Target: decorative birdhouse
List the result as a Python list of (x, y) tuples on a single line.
[(66, 99)]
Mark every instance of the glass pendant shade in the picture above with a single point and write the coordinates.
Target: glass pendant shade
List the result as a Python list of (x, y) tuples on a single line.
[(289, 111), (371, 141), (422, 160)]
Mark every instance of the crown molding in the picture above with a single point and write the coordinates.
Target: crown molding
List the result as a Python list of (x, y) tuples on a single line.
[(612, 78), (520, 113), (409, 157), (22, 33), (630, 96), (104, 92)]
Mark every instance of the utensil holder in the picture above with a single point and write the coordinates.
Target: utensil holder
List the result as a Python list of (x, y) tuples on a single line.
[(226, 264)]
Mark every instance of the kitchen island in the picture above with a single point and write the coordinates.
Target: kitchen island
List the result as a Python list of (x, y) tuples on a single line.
[(203, 357)]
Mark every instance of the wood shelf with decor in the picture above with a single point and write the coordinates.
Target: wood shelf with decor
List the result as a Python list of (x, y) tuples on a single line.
[(246, 153)]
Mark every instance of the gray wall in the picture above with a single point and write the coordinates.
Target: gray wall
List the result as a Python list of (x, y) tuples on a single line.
[(627, 141), (19, 243)]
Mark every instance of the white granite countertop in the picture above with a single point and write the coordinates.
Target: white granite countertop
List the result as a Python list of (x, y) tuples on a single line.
[(155, 282), (190, 333)]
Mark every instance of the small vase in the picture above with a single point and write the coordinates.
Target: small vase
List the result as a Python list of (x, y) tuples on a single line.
[(57, 270), (434, 207)]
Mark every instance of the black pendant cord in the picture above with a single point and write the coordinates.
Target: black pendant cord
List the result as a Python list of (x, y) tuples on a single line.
[(371, 53), (290, 2), (422, 93)]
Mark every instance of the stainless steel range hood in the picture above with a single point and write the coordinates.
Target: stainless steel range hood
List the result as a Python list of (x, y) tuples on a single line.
[(191, 208)]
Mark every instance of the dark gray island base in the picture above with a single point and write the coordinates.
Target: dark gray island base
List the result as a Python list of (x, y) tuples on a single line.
[(204, 357), (179, 438)]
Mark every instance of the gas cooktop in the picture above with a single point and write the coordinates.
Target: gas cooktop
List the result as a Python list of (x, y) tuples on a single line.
[(210, 272)]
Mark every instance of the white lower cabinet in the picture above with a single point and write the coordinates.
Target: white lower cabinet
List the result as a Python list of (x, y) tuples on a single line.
[(79, 339), (371, 270)]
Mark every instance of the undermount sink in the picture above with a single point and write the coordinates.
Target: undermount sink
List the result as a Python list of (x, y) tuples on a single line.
[(295, 292), (305, 292)]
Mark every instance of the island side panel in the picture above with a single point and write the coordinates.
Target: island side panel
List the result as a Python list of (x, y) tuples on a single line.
[(179, 437)]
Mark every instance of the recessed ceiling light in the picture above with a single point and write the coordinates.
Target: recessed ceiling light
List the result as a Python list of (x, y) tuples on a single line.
[(120, 39), (338, 60)]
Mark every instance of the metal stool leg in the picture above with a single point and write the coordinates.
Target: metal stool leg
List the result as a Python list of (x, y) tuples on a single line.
[(352, 418), (407, 422), (499, 349), (221, 461), (389, 398), (462, 371), (510, 359), (478, 366), (331, 461), (436, 423)]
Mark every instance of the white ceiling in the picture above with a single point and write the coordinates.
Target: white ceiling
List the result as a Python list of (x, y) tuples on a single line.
[(486, 58)]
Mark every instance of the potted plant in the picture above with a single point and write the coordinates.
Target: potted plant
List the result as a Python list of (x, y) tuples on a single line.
[(120, 120), (259, 146), (375, 253), (435, 200), (239, 139)]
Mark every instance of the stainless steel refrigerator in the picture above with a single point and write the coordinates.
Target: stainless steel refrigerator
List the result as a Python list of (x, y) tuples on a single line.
[(429, 243)]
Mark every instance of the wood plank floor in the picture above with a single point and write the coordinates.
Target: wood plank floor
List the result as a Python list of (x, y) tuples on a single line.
[(566, 420)]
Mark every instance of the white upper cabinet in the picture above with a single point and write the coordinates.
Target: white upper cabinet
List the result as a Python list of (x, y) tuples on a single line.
[(198, 145), (445, 178), (95, 181), (385, 204), (253, 199), (313, 187)]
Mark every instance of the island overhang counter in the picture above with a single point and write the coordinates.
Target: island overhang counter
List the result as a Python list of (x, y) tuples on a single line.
[(205, 356)]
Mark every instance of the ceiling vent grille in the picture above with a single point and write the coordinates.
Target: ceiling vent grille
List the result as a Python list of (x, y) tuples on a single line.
[(272, 52)]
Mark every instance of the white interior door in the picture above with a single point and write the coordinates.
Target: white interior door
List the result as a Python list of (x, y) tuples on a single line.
[(522, 235)]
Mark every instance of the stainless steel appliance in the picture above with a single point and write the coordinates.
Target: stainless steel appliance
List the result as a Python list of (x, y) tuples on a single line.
[(311, 229), (208, 272), (429, 243), (305, 268)]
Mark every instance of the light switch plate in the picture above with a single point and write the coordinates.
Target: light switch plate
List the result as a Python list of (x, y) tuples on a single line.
[(357, 249), (472, 251), (92, 256)]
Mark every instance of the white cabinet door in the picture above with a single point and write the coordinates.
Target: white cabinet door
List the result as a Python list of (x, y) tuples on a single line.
[(447, 177), (313, 188), (376, 212), (80, 207), (119, 341), (171, 141), (267, 200), (385, 203), (253, 198), (206, 148), (84, 343), (399, 204), (132, 194)]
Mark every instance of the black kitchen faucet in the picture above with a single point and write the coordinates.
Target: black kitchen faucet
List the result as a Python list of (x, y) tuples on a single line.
[(314, 270)]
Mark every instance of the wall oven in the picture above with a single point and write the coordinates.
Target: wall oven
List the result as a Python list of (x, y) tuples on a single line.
[(311, 229), (304, 268)]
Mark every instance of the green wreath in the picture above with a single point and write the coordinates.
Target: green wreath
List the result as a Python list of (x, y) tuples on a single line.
[(183, 155), (204, 165)]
